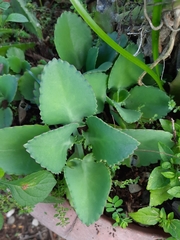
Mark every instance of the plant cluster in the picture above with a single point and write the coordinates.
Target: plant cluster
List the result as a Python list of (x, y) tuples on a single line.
[(90, 103)]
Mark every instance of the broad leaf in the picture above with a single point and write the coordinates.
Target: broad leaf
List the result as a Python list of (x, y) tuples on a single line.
[(8, 87), (4, 65), (172, 227), (72, 38), (16, 17), (13, 157), (6, 117), (165, 152), (31, 189), (175, 191), (160, 195), (50, 149), (156, 179), (98, 82), (65, 95), (89, 184), (148, 151), (151, 101), (15, 52), (125, 73), (107, 142), (146, 216)]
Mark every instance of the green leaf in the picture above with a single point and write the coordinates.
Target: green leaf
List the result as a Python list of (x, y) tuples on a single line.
[(15, 64), (8, 87), (89, 184), (107, 142), (5, 65), (31, 189), (68, 98), (33, 26), (16, 17), (27, 83), (151, 101), (160, 195), (172, 227), (13, 157), (175, 191), (148, 151), (98, 82), (1, 221), (156, 179), (15, 52), (125, 73), (146, 216), (91, 58), (23, 46), (50, 149), (72, 38), (165, 152), (6, 117)]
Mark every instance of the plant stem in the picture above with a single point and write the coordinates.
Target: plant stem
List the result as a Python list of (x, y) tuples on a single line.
[(87, 18)]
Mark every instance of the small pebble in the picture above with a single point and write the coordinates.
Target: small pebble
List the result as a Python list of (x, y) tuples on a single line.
[(10, 213), (133, 188), (35, 222), (11, 220)]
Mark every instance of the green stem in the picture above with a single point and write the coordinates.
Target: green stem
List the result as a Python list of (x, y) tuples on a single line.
[(87, 18)]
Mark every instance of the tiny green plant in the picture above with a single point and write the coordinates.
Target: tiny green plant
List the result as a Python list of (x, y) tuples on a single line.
[(113, 206)]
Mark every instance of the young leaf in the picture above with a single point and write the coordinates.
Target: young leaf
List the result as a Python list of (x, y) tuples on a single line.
[(72, 38), (50, 149), (146, 216), (107, 142), (165, 152), (31, 189), (13, 157), (151, 101), (91, 58), (15, 52), (89, 184), (174, 191), (172, 227), (69, 97), (156, 179)]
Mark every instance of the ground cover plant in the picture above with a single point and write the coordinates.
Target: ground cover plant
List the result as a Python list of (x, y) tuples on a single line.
[(99, 113)]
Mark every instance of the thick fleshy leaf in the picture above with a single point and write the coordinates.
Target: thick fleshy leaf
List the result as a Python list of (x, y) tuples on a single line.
[(98, 82), (50, 149), (8, 87), (6, 117), (4, 65), (13, 157), (31, 189), (89, 184), (65, 95), (107, 142), (15, 52), (125, 73), (72, 38), (151, 101), (148, 151), (91, 58)]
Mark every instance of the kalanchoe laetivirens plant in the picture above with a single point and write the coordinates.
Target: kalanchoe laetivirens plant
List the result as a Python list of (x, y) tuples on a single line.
[(77, 136)]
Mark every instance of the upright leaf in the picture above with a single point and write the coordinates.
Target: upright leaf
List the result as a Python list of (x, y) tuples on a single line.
[(125, 73), (31, 189), (50, 149), (72, 38), (8, 87), (13, 157), (65, 95), (107, 142), (6, 117), (89, 184)]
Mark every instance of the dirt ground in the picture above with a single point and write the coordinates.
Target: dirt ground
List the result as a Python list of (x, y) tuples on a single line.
[(20, 227)]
